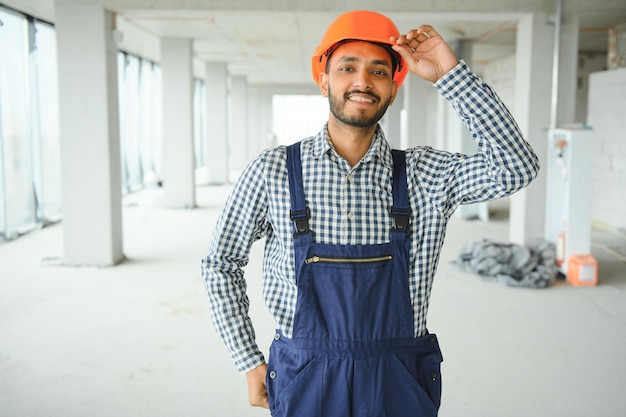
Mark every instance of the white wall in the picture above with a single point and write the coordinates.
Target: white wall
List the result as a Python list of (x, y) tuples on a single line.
[(588, 63), (607, 117)]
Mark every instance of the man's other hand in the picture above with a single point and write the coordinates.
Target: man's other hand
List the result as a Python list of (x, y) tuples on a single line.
[(257, 390)]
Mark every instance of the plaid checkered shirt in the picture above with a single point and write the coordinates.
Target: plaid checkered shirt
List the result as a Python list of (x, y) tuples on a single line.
[(351, 205)]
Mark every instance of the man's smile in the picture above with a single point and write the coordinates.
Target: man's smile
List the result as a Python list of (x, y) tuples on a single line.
[(362, 97)]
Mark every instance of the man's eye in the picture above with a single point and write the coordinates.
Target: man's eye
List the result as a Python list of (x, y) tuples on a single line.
[(380, 72), (347, 69)]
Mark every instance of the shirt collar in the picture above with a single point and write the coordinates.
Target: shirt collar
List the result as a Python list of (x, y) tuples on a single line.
[(322, 145)]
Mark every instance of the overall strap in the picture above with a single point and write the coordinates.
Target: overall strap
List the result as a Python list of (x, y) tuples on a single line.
[(299, 213), (400, 210)]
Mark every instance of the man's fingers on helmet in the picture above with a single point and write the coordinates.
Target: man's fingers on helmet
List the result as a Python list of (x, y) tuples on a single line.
[(412, 34), (428, 31), (416, 36), (421, 34), (401, 40)]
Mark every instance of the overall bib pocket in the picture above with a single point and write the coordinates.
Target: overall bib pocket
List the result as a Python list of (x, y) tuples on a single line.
[(359, 299)]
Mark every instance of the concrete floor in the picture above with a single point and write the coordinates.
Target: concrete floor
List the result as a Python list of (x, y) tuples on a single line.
[(136, 340)]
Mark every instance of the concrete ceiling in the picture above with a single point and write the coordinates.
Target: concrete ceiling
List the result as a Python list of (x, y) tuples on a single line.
[(271, 42)]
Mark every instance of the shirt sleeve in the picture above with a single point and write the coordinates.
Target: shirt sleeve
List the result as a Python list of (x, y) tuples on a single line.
[(505, 162), (240, 224)]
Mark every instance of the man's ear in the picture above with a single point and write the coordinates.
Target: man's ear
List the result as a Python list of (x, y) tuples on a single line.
[(323, 83)]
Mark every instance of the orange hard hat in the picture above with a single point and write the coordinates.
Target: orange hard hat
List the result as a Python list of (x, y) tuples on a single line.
[(359, 25)]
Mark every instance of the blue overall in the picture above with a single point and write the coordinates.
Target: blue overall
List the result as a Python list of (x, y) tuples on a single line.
[(353, 350)]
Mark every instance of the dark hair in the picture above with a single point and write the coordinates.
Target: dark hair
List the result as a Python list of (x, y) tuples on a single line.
[(395, 58)]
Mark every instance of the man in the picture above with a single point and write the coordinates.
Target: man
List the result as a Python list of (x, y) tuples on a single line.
[(353, 231)]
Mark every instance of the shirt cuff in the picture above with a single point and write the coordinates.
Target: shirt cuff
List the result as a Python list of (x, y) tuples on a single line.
[(246, 361), (456, 81)]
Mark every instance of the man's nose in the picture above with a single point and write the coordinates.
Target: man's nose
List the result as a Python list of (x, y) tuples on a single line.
[(363, 79)]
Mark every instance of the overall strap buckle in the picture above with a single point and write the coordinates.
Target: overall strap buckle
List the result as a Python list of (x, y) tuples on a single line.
[(400, 218), (299, 213), (300, 219)]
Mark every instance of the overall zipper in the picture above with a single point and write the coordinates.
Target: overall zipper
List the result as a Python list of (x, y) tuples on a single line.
[(315, 259)]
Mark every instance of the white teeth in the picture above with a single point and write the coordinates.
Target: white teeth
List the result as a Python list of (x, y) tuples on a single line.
[(362, 99)]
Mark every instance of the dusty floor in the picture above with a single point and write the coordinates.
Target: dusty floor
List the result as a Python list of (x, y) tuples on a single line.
[(136, 339)]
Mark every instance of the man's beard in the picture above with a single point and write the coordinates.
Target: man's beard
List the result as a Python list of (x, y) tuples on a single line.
[(357, 120)]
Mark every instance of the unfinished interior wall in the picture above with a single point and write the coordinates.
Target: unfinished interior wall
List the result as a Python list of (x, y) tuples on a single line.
[(607, 101), (588, 63), (617, 47), (601, 100)]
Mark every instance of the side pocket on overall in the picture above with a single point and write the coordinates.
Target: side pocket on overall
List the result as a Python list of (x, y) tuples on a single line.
[(294, 384), (413, 386)]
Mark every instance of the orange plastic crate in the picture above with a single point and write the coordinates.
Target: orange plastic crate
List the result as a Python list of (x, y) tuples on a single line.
[(582, 270)]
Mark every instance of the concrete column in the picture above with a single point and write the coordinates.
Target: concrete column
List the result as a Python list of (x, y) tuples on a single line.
[(392, 122), (90, 141), (460, 140), (533, 83), (416, 91), (238, 122), (254, 138), (441, 122), (178, 149), (217, 121), (433, 118), (458, 137), (262, 134), (268, 118), (568, 70)]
